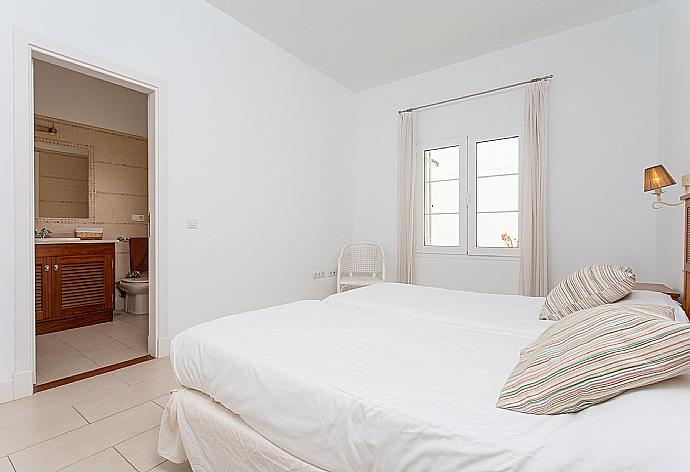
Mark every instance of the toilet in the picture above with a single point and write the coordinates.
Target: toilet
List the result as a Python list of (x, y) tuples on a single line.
[(136, 289), (136, 292)]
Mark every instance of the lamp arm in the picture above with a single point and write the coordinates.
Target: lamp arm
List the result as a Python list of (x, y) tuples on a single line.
[(656, 204)]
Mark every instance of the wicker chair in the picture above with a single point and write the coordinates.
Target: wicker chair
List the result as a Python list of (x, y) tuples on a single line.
[(360, 264)]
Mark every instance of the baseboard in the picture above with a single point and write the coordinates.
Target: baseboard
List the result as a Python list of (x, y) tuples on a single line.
[(23, 384), (6, 391), (20, 385), (163, 347)]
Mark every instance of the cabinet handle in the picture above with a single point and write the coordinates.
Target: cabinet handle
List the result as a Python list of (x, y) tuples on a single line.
[(56, 267), (47, 267)]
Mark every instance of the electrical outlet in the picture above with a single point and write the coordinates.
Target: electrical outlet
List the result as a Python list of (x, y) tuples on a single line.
[(332, 273), (318, 275), (139, 218)]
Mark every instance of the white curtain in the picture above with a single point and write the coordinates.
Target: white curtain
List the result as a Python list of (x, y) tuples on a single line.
[(533, 194), (406, 182)]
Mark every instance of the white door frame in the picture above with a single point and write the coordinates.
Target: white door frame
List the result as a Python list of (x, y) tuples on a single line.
[(26, 48)]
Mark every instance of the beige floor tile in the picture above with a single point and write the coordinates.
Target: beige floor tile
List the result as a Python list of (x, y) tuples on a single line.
[(140, 451), (17, 436), (126, 333), (144, 371), (55, 399), (105, 461), (75, 333), (67, 369), (48, 343), (140, 321), (86, 441), (107, 405), (114, 354), (5, 465), (77, 350), (120, 327), (162, 401), (56, 359), (139, 342), (49, 347), (168, 466), (87, 341)]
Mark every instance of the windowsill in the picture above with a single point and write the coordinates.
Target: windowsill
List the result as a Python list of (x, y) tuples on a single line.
[(440, 254)]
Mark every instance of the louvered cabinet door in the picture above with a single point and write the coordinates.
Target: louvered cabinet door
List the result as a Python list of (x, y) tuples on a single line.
[(83, 285), (44, 283)]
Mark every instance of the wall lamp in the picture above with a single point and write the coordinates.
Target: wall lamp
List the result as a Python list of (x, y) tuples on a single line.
[(656, 178)]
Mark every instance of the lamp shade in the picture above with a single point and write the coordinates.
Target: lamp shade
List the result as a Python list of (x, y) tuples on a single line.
[(657, 177)]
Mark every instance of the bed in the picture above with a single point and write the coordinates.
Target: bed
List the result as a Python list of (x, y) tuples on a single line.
[(396, 377)]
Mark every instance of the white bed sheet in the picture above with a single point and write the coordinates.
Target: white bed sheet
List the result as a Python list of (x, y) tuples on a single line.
[(195, 428), (395, 377)]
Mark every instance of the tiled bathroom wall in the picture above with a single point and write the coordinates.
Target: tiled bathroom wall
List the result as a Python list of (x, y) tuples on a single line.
[(121, 183)]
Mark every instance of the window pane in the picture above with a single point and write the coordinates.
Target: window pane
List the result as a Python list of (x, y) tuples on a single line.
[(497, 193), (497, 157), (441, 164), (442, 197), (497, 229), (441, 230)]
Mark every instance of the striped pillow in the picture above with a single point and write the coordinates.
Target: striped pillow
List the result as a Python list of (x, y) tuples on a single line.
[(594, 355), (586, 288)]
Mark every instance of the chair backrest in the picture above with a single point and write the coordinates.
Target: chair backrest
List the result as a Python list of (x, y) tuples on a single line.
[(363, 258)]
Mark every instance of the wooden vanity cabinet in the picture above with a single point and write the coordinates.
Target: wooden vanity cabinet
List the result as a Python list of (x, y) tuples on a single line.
[(75, 285)]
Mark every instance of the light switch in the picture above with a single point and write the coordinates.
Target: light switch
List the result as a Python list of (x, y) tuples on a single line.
[(192, 223)]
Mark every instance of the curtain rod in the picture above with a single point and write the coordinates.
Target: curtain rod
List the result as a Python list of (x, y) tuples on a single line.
[(498, 89)]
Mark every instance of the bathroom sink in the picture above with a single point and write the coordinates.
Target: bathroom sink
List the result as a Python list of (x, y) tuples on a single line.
[(55, 240)]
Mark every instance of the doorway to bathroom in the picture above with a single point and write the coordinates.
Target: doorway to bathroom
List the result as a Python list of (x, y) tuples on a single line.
[(87, 147), (91, 224)]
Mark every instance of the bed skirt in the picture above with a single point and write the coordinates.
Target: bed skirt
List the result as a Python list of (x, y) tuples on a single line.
[(197, 429)]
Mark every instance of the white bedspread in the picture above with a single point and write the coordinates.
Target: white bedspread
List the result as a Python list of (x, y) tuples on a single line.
[(401, 378)]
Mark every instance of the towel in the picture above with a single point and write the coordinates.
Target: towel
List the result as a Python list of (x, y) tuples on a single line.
[(139, 254)]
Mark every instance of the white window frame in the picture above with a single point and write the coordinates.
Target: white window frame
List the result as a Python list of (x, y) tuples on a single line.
[(472, 248), (467, 194), (462, 195)]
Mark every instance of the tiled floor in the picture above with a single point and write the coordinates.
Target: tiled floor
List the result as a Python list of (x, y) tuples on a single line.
[(77, 350), (107, 423)]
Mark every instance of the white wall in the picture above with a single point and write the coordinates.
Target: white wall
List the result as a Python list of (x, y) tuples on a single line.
[(259, 150), (603, 127), (674, 127), (62, 93)]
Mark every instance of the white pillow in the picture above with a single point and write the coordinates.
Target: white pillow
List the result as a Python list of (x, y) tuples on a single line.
[(645, 297)]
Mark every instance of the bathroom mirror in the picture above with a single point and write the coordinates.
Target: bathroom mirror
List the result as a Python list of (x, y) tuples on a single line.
[(63, 184)]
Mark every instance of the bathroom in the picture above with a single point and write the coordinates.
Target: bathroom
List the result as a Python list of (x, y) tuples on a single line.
[(91, 194)]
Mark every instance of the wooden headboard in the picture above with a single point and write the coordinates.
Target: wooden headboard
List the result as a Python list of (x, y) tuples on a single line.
[(686, 265)]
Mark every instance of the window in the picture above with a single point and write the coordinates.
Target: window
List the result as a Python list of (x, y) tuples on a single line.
[(442, 196), (494, 170), (470, 195)]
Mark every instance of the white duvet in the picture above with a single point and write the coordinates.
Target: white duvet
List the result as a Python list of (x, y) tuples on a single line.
[(404, 378)]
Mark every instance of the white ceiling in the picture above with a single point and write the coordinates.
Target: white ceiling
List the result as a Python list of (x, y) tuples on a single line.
[(364, 43)]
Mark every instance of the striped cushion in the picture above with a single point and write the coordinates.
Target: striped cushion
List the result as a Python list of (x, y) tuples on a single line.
[(586, 288), (594, 355)]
